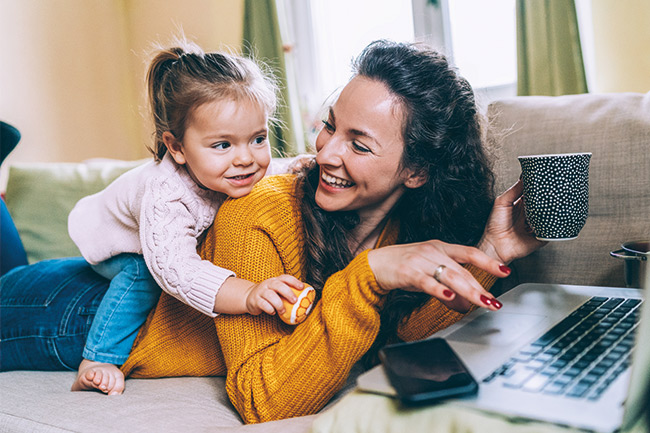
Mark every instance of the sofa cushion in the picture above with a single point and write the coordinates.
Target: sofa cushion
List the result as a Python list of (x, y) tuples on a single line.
[(35, 401), (616, 129), (39, 197)]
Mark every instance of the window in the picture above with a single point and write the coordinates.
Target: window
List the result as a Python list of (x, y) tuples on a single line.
[(478, 36), (483, 41), (325, 35), (340, 34)]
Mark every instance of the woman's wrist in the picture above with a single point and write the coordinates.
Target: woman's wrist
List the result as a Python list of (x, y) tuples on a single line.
[(488, 248), (374, 267)]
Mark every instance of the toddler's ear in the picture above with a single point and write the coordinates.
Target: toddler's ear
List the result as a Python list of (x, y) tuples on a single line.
[(174, 147)]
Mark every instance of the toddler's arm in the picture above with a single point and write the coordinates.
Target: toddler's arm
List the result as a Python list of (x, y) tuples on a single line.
[(238, 296)]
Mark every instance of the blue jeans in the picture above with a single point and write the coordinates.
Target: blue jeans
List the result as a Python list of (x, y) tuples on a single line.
[(124, 309), (46, 313), (12, 252), (46, 310)]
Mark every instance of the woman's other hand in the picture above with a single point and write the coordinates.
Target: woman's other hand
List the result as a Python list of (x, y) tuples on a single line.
[(507, 235), (435, 267)]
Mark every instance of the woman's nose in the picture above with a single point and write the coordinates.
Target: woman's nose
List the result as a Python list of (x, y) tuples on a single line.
[(330, 150)]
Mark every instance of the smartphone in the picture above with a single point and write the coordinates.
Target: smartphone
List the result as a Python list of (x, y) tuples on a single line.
[(426, 371)]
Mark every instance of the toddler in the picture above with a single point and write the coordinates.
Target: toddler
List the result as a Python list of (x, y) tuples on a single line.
[(210, 112)]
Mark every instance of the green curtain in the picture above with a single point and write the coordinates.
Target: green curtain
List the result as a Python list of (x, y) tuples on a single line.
[(549, 57), (262, 40)]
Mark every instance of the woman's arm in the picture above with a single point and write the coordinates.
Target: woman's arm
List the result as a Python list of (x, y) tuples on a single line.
[(274, 370)]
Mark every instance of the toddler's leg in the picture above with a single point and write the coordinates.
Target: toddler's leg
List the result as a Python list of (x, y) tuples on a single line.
[(123, 310)]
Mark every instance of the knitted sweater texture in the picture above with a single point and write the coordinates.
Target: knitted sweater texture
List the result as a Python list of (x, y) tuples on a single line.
[(156, 210), (274, 370)]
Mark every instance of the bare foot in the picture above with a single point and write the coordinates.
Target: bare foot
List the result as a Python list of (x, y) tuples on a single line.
[(106, 378)]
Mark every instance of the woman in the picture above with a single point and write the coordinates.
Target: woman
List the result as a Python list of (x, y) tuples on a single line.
[(400, 161)]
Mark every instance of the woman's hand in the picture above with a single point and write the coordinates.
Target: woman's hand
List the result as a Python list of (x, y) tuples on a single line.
[(507, 235), (417, 267)]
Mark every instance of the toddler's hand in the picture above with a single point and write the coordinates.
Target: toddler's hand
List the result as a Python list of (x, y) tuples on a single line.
[(267, 295)]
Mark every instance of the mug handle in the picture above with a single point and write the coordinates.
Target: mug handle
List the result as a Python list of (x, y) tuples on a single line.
[(625, 255)]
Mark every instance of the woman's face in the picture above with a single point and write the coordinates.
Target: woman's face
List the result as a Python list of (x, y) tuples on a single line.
[(359, 152)]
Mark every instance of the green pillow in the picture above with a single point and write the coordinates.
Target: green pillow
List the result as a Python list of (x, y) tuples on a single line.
[(39, 197)]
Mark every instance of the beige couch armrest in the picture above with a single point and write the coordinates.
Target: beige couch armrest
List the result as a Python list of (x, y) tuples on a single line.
[(616, 129)]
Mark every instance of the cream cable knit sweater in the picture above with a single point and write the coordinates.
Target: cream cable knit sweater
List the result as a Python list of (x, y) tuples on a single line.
[(158, 211)]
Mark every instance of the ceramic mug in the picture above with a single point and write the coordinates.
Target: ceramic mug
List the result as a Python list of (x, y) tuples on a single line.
[(556, 194)]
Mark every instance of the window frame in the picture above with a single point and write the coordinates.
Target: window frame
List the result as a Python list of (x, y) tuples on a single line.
[(431, 25)]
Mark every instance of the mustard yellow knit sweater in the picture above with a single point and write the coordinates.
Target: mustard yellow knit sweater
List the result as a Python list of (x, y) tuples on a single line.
[(274, 370)]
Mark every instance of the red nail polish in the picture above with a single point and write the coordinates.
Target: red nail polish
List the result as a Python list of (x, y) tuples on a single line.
[(486, 300), (505, 269), (496, 304), (448, 293)]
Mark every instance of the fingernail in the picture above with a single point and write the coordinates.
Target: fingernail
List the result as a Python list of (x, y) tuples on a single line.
[(448, 293), (505, 269), (496, 304), (486, 300)]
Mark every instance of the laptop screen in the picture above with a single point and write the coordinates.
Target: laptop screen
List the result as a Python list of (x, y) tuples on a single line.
[(638, 398)]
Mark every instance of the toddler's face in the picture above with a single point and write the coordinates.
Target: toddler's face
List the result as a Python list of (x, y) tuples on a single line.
[(225, 147)]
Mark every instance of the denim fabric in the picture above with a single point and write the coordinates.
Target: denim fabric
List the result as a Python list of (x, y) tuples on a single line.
[(124, 309), (12, 252), (46, 310)]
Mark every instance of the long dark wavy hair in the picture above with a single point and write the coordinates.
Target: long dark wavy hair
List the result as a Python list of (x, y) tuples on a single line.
[(442, 141)]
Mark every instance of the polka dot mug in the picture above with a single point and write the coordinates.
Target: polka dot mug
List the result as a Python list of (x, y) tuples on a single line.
[(556, 194)]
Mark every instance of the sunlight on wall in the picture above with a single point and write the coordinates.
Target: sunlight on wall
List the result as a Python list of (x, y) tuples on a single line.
[(621, 41), (74, 84)]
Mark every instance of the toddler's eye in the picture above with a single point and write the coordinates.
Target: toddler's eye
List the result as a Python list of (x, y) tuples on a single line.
[(221, 146), (260, 140)]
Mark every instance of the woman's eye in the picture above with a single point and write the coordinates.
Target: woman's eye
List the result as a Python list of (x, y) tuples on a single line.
[(221, 146), (328, 126), (359, 148)]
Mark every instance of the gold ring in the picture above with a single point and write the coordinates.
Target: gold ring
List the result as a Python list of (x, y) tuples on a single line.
[(438, 272)]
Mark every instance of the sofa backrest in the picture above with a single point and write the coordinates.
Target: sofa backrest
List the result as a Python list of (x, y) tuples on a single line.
[(40, 196), (616, 129)]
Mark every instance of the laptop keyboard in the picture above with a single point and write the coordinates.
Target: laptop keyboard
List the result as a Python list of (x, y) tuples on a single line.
[(580, 356)]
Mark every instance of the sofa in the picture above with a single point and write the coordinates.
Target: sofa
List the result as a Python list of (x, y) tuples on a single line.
[(614, 127)]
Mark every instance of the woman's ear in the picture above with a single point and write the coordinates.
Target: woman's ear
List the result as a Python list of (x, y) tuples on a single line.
[(174, 147), (415, 180)]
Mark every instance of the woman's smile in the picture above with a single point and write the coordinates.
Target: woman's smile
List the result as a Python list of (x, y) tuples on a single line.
[(335, 182)]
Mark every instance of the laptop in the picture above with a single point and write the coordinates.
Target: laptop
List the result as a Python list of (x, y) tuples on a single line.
[(531, 359)]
